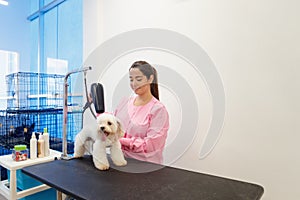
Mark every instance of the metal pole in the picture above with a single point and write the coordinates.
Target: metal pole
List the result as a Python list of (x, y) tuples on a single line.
[(65, 110)]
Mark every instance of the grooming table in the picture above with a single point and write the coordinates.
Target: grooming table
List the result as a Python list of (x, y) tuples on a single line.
[(138, 180)]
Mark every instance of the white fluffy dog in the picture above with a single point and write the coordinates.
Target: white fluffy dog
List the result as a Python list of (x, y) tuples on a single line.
[(107, 134)]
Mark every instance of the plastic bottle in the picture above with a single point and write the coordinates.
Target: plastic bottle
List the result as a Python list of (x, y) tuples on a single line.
[(41, 146), (46, 139), (33, 146)]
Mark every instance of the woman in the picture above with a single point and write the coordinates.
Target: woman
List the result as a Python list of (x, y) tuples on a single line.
[(145, 119)]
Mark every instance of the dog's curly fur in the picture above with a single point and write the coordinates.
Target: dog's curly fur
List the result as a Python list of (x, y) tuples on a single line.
[(107, 134)]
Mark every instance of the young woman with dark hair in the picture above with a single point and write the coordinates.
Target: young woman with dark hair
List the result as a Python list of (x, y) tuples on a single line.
[(144, 118)]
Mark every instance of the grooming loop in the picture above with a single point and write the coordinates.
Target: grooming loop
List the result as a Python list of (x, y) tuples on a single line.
[(65, 108)]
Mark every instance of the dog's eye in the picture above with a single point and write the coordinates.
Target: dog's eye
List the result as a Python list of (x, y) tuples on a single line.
[(109, 123)]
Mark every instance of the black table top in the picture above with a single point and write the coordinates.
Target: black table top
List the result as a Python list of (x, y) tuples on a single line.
[(138, 180)]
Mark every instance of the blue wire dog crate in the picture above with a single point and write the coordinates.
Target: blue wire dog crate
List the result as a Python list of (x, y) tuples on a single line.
[(19, 125), (30, 90), (35, 102)]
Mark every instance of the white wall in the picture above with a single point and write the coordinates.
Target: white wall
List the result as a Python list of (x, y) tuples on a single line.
[(255, 45)]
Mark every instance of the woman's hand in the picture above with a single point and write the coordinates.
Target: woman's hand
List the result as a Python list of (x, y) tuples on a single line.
[(125, 142)]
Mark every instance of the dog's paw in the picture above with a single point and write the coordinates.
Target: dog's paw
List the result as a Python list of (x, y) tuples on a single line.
[(78, 151), (78, 155), (120, 163), (102, 167)]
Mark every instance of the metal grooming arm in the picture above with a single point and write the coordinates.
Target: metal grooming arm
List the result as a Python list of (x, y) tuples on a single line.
[(65, 109)]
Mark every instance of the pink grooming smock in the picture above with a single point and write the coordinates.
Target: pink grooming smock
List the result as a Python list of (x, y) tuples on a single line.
[(145, 127)]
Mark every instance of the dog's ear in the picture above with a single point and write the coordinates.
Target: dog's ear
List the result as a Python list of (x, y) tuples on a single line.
[(120, 130)]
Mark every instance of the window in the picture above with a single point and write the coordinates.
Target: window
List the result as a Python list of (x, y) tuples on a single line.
[(57, 66), (9, 61), (56, 33), (57, 39)]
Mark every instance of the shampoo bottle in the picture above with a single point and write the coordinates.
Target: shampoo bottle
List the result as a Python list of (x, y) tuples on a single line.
[(33, 146), (46, 139), (41, 146)]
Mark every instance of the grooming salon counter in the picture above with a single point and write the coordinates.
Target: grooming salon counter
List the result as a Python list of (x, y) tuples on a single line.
[(138, 180)]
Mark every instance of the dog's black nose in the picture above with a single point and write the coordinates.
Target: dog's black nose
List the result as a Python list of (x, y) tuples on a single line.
[(102, 128)]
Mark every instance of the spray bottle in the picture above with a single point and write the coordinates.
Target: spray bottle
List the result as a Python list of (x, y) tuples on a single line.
[(33, 146), (46, 139)]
